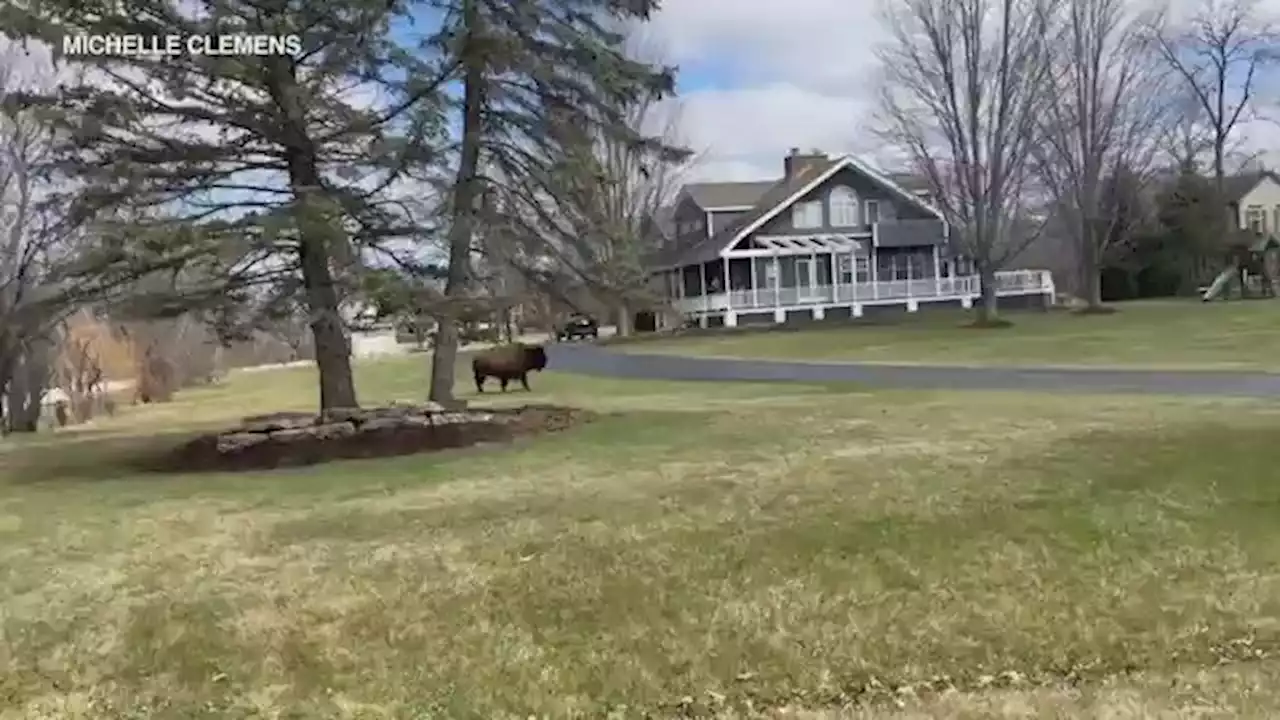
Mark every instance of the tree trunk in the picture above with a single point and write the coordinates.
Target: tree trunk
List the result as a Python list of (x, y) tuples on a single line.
[(444, 356), (6, 378), (332, 352), (1092, 267), (25, 392), (988, 310), (624, 326)]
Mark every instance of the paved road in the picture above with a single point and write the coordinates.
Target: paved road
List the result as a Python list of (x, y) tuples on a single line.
[(595, 360)]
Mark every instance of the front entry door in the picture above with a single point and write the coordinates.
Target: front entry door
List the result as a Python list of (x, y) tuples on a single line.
[(805, 279)]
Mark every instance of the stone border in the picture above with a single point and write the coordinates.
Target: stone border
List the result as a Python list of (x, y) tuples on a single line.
[(293, 439)]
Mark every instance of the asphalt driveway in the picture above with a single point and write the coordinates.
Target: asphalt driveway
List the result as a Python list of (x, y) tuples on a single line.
[(596, 360)]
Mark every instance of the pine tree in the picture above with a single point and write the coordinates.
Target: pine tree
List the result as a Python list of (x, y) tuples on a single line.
[(263, 174), (525, 69)]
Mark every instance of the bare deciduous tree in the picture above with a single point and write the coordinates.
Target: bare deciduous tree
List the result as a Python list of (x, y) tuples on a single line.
[(1186, 137), (1219, 53), (596, 213), (1102, 120), (964, 82), (29, 242)]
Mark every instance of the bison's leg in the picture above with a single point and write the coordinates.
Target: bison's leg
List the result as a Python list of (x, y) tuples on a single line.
[(504, 380), (524, 380), (480, 382)]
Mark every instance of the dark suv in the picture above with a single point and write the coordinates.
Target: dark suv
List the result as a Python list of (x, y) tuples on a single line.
[(579, 326)]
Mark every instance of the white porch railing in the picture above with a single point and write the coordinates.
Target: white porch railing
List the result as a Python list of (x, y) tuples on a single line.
[(1015, 282)]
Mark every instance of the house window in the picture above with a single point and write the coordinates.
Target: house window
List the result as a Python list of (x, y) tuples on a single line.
[(844, 207), (806, 215), (1255, 218), (873, 212), (862, 268), (844, 268)]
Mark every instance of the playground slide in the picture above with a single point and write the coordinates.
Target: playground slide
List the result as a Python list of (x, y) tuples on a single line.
[(1219, 284)]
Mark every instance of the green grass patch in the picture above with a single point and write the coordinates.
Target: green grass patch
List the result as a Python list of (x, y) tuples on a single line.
[(1157, 334), (714, 550)]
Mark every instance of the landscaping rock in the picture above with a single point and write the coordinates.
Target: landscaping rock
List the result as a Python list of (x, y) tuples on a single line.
[(237, 441), (276, 421), (294, 439)]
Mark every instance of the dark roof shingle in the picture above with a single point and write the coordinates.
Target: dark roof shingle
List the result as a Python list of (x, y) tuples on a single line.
[(1235, 187), (713, 195)]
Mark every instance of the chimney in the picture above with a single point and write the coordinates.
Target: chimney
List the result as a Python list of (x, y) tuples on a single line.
[(795, 162)]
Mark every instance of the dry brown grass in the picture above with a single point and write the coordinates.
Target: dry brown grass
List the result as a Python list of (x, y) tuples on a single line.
[(718, 550)]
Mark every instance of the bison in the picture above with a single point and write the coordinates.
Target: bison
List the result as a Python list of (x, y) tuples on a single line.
[(507, 363)]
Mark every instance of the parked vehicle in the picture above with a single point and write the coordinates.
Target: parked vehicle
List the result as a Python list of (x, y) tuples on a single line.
[(579, 326)]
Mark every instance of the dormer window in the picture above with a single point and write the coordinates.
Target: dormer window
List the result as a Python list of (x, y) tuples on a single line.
[(845, 210)]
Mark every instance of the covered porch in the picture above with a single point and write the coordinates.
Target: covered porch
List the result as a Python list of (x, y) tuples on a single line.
[(822, 273)]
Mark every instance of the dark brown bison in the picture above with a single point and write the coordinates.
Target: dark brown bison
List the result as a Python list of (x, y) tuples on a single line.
[(507, 363)]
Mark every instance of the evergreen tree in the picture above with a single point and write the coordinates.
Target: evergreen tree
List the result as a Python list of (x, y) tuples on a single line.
[(265, 175), (525, 69)]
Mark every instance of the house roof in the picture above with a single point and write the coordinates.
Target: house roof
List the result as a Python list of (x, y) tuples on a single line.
[(1235, 187), (775, 197), (709, 249), (712, 195)]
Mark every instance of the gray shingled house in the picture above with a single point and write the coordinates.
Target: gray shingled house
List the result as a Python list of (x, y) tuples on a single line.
[(831, 238)]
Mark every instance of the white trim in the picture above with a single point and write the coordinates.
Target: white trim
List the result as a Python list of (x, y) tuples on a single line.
[(730, 208), (847, 161), (802, 244), (867, 235)]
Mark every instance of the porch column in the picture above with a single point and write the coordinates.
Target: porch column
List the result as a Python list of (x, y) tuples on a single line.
[(706, 301), (779, 315), (730, 317), (835, 276), (873, 263), (755, 286), (813, 272), (937, 277)]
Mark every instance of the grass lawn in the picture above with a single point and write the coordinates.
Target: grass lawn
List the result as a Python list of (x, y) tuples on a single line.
[(722, 548), (1168, 334)]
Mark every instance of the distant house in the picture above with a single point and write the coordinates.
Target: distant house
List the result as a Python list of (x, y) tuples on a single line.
[(1253, 200), (832, 238)]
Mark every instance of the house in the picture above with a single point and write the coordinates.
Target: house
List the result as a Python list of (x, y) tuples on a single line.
[(832, 238), (1253, 201)]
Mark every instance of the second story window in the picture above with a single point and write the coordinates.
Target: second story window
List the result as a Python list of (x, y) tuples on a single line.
[(844, 207), (1255, 218), (806, 215)]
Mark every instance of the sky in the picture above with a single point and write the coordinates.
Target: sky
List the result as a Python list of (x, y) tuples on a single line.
[(758, 77)]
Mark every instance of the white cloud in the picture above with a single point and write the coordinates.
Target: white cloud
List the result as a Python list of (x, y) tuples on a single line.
[(798, 73)]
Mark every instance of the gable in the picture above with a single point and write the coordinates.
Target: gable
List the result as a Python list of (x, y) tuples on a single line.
[(1266, 192), (774, 216), (812, 179), (863, 187)]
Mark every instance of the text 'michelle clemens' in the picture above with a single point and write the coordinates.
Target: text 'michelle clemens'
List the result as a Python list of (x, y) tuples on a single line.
[(160, 45)]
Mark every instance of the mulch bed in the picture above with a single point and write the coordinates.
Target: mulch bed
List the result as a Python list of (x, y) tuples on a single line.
[(203, 454)]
